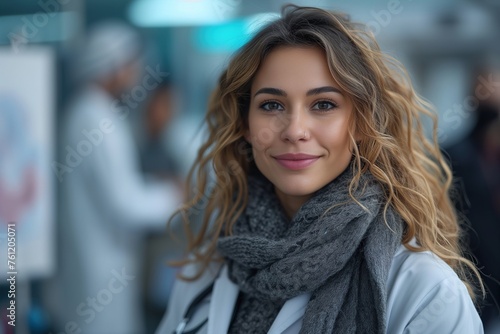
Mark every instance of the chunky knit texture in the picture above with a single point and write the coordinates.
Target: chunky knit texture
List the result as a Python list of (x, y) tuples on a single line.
[(340, 255)]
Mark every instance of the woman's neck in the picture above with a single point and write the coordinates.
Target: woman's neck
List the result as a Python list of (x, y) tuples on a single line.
[(291, 203)]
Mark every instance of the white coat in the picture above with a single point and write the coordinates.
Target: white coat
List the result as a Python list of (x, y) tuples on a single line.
[(106, 208), (424, 296)]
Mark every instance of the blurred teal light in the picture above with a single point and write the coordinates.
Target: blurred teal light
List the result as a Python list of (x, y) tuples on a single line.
[(224, 37), (171, 13), (229, 36)]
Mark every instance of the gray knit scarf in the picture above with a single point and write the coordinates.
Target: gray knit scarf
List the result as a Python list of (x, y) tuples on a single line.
[(341, 256)]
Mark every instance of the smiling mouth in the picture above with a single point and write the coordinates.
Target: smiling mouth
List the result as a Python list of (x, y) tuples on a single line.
[(296, 161)]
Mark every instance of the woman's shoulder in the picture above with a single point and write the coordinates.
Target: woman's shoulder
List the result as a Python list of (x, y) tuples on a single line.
[(423, 268), (425, 295), (185, 291), (198, 279)]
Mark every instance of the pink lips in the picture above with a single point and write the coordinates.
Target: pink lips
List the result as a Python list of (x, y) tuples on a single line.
[(296, 161)]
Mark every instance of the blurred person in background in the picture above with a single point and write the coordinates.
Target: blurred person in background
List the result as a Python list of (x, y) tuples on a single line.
[(156, 155), (159, 158), (107, 205), (476, 165)]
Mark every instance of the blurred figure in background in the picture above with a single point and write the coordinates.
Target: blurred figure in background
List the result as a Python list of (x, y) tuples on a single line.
[(156, 156), (159, 158), (107, 205), (476, 165)]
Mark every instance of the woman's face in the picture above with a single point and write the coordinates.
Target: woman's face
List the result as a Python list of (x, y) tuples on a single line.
[(298, 124)]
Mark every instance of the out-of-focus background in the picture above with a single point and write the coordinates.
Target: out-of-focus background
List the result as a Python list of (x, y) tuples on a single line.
[(100, 108)]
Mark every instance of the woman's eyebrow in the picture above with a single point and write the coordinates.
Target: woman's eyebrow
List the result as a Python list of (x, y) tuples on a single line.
[(272, 91), (314, 91), (324, 89)]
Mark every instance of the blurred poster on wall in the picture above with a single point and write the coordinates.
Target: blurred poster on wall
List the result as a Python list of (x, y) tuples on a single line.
[(27, 111)]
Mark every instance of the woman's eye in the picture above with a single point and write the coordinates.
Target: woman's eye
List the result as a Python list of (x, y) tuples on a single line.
[(270, 106), (324, 105)]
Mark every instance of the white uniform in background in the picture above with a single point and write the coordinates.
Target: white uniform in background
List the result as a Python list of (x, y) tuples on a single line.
[(106, 207)]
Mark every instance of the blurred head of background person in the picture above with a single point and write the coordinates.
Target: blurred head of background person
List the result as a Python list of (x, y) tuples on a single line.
[(487, 91), (157, 156), (487, 129), (111, 56), (160, 109)]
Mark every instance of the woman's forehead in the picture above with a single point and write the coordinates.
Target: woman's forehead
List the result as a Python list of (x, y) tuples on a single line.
[(294, 68)]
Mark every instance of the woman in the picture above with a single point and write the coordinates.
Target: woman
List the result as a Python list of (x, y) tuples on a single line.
[(330, 210)]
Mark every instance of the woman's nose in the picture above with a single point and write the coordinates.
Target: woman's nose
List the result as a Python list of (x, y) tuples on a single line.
[(295, 128)]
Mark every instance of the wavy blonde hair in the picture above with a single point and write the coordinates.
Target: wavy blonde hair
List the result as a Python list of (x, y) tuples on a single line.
[(387, 115)]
